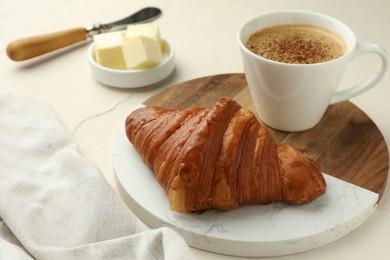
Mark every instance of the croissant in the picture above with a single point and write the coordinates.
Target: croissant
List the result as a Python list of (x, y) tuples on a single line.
[(220, 157)]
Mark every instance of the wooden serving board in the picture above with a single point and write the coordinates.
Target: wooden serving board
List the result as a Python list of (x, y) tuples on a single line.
[(346, 143)]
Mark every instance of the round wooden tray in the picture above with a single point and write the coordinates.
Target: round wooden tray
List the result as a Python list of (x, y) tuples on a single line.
[(346, 143)]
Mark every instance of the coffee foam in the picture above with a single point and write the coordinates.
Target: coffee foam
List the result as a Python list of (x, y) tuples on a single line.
[(297, 44)]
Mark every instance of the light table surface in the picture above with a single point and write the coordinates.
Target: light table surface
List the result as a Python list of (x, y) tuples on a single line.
[(204, 33)]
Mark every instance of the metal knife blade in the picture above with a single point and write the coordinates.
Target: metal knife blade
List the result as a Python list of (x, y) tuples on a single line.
[(145, 15)]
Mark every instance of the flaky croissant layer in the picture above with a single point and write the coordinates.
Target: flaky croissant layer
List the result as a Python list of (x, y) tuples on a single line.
[(220, 157)]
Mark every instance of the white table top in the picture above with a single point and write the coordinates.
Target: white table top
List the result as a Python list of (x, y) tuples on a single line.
[(204, 33)]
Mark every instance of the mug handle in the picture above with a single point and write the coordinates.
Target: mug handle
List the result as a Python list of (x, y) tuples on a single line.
[(363, 47)]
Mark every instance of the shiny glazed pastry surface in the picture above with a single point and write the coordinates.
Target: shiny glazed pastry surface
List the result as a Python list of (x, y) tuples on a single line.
[(220, 157)]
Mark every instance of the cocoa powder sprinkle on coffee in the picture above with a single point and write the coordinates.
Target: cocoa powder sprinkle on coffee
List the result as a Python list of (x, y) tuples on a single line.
[(297, 44)]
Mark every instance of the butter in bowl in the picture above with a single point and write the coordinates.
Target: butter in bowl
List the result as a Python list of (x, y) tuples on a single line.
[(133, 58)]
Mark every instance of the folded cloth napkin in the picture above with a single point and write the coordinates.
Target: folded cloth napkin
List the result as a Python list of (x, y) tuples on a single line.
[(55, 204)]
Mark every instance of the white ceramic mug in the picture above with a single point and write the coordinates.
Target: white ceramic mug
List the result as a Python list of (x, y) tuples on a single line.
[(294, 97)]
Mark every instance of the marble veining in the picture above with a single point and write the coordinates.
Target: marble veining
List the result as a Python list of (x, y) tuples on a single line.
[(256, 230), (99, 114)]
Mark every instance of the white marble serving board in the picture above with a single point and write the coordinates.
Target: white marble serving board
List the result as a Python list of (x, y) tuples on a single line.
[(254, 231)]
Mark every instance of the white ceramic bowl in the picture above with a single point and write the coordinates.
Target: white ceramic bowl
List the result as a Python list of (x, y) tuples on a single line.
[(134, 78)]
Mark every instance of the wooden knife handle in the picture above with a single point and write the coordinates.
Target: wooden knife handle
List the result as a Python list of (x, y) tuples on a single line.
[(31, 47)]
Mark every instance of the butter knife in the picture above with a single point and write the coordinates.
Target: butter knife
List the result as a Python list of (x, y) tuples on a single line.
[(34, 46)]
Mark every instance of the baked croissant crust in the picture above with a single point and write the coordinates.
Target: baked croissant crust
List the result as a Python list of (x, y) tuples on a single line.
[(220, 157)]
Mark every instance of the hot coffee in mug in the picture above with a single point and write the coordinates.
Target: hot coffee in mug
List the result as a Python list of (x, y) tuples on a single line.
[(296, 44), (294, 61)]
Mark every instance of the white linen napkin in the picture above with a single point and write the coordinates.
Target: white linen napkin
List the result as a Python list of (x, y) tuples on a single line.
[(54, 204)]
